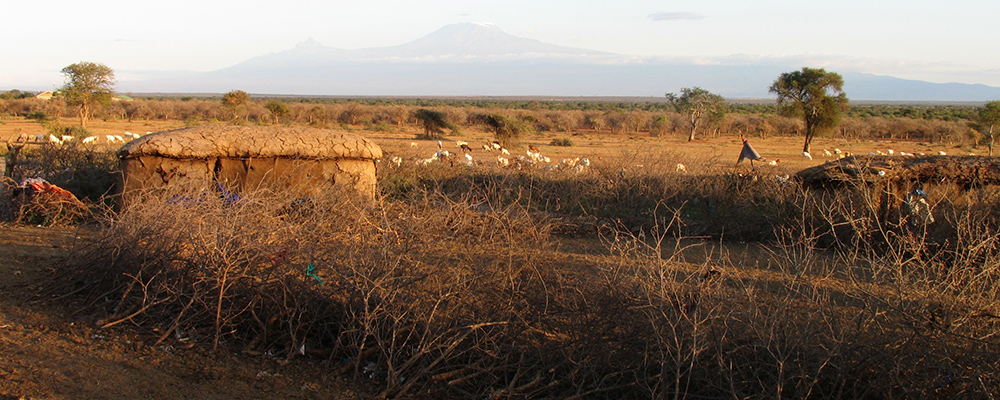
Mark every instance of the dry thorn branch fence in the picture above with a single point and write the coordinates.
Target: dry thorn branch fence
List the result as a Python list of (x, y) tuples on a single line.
[(434, 294)]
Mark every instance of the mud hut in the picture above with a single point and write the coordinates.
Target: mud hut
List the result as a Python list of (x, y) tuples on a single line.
[(905, 188), (965, 171), (239, 159)]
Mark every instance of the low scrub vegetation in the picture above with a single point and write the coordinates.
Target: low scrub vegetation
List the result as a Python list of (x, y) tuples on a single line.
[(945, 124), (478, 282)]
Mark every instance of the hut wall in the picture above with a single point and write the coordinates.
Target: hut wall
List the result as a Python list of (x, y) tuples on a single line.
[(307, 177)]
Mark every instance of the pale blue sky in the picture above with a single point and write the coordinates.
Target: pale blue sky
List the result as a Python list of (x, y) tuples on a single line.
[(937, 41)]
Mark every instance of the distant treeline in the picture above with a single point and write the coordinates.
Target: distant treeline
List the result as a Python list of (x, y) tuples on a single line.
[(935, 123)]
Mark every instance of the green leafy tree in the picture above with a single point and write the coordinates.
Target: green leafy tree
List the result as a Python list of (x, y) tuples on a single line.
[(316, 115), (234, 99), (698, 105), (88, 86), (434, 122), (987, 118), (814, 95), (278, 109), (506, 130)]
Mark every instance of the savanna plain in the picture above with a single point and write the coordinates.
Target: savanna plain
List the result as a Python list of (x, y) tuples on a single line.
[(633, 263)]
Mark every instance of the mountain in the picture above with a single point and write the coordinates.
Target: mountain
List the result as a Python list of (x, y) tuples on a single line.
[(452, 43), (481, 59)]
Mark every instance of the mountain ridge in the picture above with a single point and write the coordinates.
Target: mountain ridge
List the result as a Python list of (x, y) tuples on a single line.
[(483, 60)]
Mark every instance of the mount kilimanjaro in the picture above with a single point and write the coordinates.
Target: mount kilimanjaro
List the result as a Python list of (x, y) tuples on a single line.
[(482, 60)]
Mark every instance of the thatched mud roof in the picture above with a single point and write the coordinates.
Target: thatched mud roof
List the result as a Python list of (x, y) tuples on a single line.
[(963, 170), (252, 141)]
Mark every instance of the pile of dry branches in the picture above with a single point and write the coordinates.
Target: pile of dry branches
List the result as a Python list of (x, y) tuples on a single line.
[(470, 296)]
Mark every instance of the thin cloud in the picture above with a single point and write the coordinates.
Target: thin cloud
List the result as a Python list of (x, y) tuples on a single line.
[(675, 16)]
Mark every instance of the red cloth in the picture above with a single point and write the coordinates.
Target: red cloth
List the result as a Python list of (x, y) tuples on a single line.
[(41, 186)]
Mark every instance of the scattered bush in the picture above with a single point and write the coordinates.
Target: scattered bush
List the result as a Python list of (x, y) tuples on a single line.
[(38, 116), (75, 131), (563, 142), (507, 130), (434, 122), (382, 126)]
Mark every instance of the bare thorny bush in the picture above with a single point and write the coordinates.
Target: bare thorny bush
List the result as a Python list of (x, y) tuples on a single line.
[(88, 174), (855, 298), (455, 288), (427, 299), (920, 295), (727, 327)]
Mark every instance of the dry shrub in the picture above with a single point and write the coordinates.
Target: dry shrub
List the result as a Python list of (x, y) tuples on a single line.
[(414, 296), (887, 316), (922, 298), (451, 286), (44, 208), (87, 174)]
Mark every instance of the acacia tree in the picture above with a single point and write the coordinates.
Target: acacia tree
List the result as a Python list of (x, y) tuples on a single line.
[(234, 99), (698, 104), (278, 109), (434, 122), (506, 130), (988, 117), (88, 85), (814, 95)]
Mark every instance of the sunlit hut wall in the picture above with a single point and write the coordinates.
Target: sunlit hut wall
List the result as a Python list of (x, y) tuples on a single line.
[(241, 159)]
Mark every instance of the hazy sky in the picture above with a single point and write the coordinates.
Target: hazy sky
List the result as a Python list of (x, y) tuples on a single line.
[(937, 41)]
